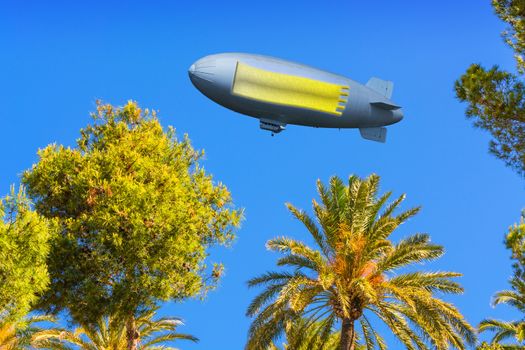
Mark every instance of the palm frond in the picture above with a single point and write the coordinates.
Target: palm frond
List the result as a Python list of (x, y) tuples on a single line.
[(270, 278), (430, 281), (503, 329), (311, 226), (294, 247), (414, 249), (163, 338), (511, 298), (347, 275)]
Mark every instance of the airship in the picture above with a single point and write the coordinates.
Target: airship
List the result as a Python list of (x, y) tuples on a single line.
[(279, 92)]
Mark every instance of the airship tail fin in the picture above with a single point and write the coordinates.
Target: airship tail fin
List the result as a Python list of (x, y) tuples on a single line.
[(385, 105), (383, 87), (374, 134)]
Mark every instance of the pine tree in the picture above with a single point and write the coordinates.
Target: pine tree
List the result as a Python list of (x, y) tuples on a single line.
[(136, 214)]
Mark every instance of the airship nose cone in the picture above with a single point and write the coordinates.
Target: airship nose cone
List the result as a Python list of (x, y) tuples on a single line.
[(398, 115), (194, 74), (202, 72), (213, 76)]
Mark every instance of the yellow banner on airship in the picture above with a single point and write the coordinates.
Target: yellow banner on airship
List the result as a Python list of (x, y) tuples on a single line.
[(289, 90)]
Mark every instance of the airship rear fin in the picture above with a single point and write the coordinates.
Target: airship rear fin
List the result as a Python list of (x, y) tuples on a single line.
[(374, 134), (383, 87), (385, 105)]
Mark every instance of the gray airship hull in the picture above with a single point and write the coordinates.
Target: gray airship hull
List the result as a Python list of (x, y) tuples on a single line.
[(362, 107)]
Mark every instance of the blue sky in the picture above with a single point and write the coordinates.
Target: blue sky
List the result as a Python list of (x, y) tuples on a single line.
[(57, 58)]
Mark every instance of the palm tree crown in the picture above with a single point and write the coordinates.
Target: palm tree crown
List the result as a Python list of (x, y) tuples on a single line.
[(25, 333), (301, 335), (109, 333), (350, 276), (508, 330)]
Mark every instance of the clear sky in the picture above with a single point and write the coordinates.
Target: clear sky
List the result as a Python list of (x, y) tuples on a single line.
[(57, 58)]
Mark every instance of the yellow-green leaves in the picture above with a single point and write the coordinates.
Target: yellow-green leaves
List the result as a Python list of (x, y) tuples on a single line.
[(136, 214), (24, 246), (506, 333), (515, 241), (109, 333)]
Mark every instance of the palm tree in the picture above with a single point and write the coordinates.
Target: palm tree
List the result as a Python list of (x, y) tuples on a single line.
[(25, 333), (300, 335), (486, 346), (352, 275), (508, 330), (110, 333)]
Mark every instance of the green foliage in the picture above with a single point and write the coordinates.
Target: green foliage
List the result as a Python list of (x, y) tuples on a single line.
[(26, 333), (513, 13), (487, 346), (24, 247), (109, 333), (496, 103), (136, 214), (302, 335), (496, 98), (515, 297), (515, 241), (353, 272)]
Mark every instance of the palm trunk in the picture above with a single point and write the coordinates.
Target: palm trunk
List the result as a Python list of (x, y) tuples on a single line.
[(347, 335), (132, 334)]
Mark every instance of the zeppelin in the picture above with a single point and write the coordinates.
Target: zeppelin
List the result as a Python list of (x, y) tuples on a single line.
[(279, 92)]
